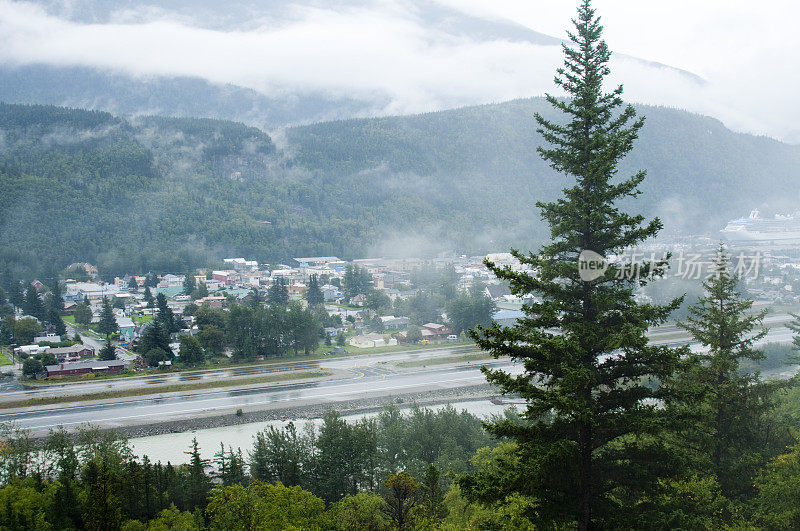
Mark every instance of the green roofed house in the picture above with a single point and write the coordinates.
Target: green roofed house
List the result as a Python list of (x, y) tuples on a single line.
[(169, 291), (127, 328)]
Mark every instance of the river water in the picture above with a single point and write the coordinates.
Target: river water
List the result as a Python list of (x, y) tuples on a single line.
[(172, 446)]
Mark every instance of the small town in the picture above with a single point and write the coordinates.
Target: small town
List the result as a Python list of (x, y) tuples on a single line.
[(331, 306), (404, 265), (363, 304)]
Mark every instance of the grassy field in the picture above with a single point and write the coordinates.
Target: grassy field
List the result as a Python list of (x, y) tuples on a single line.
[(162, 389), (4, 358), (141, 320)]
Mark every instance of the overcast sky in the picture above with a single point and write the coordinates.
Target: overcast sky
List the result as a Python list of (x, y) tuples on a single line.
[(746, 51)]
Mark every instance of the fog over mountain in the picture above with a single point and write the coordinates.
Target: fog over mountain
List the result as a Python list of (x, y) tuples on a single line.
[(278, 63), (165, 194)]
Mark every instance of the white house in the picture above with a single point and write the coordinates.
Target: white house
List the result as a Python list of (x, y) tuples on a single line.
[(372, 341)]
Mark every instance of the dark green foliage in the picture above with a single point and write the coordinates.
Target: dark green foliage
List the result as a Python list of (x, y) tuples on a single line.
[(153, 337), (108, 322), (102, 509), (191, 351), (270, 331), (278, 293), (165, 315), (378, 301), (33, 305), (230, 466), (7, 330), (212, 338), (188, 283), (82, 314), (31, 367), (205, 315), (25, 330), (313, 294), (200, 292), (343, 456), (281, 455), (726, 424), (148, 297), (432, 505), (108, 352), (356, 281), (413, 334), (586, 387), (55, 320), (156, 355), (468, 310), (57, 302), (15, 295), (198, 484)]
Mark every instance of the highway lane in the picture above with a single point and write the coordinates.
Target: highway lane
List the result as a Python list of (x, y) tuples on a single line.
[(164, 409), (135, 382), (361, 364)]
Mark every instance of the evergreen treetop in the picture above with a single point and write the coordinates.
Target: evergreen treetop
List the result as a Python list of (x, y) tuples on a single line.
[(588, 367)]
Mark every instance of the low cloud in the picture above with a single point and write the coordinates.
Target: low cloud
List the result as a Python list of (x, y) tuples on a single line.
[(376, 51)]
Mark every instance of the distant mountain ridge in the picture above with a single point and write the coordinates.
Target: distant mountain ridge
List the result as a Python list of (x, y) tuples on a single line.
[(135, 194), (121, 92)]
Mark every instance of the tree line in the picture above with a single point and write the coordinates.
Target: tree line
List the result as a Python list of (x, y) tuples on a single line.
[(338, 475)]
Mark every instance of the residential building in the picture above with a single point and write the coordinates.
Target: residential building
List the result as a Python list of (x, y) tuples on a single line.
[(73, 352), (390, 322), (83, 367), (372, 341)]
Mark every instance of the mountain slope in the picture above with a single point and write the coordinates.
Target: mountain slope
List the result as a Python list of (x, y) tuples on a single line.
[(166, 193)]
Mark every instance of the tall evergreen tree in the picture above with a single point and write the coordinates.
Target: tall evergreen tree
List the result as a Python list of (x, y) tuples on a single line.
[(33, 304), (278, 292), (191, 351), (57, 299), (82, 314), (166, 316), (54, 318), (108, 322), (198, 483), (189, 283), (154, 337), (148, 297), (314, 295), (15, 295), (108, 352), (586, 358), (722, 402)]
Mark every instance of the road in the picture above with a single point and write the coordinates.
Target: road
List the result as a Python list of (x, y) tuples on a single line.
[(96, 343), (369, 376), (165, 409), (362, 364), (354, 364)]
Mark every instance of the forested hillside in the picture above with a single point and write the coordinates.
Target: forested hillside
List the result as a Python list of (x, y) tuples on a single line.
[(166, 193)]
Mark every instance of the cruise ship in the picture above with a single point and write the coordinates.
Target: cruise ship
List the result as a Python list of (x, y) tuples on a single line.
[(754, 228)]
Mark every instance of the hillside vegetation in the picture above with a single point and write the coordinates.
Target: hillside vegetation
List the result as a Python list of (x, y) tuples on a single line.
[(139, 194)]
